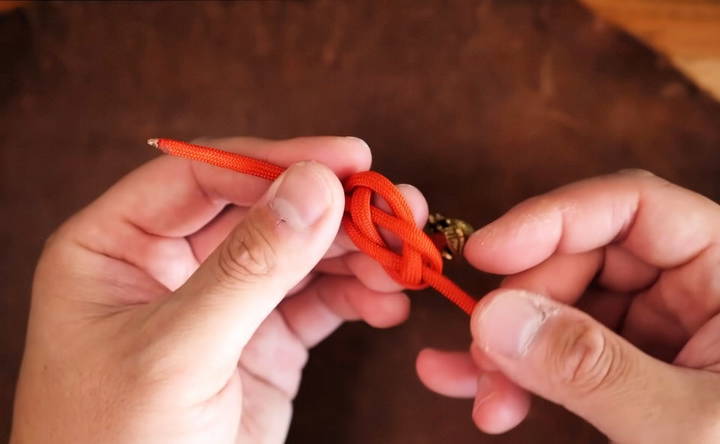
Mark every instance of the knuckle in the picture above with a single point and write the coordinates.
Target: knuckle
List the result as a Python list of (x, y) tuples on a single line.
[(587, 361), (61, 236), (52, 240), (248, 255)]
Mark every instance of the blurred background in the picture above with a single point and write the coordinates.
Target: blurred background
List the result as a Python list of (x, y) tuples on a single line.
[(478, 103)]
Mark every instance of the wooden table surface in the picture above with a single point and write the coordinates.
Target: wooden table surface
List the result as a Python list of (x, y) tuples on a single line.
[(686, 32), (478, 103)]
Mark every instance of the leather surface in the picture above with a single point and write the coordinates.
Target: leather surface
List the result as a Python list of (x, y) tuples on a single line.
[(479, 104)]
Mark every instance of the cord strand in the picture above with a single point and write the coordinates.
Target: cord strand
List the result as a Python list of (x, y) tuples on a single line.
[(420, 263)]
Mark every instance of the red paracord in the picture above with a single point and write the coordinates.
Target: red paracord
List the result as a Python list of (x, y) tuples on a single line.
[(418, 266)]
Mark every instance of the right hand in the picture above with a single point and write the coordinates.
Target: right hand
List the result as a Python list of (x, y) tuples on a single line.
[(639, 357)]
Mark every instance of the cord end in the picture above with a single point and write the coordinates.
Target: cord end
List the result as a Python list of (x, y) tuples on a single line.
[(154, 142)]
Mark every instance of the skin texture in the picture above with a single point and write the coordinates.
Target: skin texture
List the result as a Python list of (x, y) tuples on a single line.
[(610, 308), (180, 305), (184, 313)]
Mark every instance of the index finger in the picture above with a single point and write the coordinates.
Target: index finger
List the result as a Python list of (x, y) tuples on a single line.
[(658, 222), (174, 197)]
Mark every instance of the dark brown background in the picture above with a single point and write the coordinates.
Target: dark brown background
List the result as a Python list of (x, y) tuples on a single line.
[(478, 103)]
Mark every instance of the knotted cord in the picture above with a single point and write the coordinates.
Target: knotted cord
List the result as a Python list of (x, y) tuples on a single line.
[(419, 263)]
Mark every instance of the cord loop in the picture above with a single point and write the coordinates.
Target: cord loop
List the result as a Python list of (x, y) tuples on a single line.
[(417, 265), (362, 220)]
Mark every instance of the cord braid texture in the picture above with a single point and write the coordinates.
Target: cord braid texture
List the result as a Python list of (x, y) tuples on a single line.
[(419, 263)]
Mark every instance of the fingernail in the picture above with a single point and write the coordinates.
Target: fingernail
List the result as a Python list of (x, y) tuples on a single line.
[(508, 325), (301, 195), (358, 140)]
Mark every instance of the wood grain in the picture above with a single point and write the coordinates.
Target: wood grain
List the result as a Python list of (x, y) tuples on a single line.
[(9, 5), (687, 32)]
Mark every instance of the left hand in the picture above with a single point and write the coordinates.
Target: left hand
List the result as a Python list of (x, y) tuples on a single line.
[(159, 311)]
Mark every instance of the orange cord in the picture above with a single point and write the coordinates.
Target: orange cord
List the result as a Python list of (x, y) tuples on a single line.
[(420, 264)]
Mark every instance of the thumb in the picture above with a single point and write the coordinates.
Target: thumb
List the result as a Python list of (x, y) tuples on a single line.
[(564, 355), (285, 234)]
